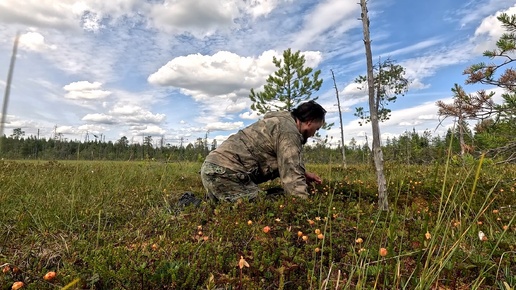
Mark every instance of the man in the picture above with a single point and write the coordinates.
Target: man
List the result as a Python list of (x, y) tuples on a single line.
[(263, 151)]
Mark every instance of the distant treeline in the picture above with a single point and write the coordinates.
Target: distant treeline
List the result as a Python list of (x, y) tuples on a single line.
[(410, 148)]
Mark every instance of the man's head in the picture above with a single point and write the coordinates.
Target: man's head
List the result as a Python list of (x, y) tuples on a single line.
[(309, 118)]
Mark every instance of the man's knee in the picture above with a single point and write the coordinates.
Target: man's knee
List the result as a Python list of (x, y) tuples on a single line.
[(226, 185)]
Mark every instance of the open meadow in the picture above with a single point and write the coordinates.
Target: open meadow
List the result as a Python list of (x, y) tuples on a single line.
[(115, 225)]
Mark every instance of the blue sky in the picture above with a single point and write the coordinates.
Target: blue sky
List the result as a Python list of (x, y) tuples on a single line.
[(181, 69)]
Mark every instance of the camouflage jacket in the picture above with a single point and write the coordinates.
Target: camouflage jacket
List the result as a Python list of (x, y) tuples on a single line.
[(270, 148)]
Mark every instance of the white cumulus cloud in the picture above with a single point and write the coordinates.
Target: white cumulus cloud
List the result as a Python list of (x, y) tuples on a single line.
[(84, 90)]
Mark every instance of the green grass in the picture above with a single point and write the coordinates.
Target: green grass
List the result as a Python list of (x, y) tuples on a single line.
[(113, 225)]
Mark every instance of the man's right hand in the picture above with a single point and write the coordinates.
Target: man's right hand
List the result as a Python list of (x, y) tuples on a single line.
[(312, 177)]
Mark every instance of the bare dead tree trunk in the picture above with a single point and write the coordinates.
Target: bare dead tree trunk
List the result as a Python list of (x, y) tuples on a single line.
[(341, 125), (383, 203), (461, 137), (8, 88), (460, 122)]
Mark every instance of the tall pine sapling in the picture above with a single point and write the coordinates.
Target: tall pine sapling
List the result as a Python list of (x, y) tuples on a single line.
[(290, 85)]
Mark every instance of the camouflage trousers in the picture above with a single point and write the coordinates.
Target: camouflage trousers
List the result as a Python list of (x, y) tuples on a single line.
[(222, 184)]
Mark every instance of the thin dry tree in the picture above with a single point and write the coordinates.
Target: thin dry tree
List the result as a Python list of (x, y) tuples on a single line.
[(383, 203), (341, 124), (8, 88)]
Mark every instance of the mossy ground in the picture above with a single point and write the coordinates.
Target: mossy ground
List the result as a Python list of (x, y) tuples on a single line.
[(114, 225)]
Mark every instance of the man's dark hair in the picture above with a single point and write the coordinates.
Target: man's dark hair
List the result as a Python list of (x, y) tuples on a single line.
[(309, 111)]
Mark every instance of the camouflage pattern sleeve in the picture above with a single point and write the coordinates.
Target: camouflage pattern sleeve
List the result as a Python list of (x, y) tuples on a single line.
[(290, 165)]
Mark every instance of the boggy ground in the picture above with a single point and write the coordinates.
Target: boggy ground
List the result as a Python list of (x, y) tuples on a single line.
[(115, 225)]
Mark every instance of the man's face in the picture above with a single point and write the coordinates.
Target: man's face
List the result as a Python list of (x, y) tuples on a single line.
[(309, 128)]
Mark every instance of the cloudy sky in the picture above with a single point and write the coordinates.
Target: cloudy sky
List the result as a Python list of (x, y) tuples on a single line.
[(181, 69)]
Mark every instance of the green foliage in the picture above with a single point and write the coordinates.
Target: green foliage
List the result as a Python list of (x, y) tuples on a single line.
[(389, 82), (18, 133), (290, 85), (33, 147), (501, 117), (113, 226), (492, 74), (414, 148), (490, 134), (409, 148)]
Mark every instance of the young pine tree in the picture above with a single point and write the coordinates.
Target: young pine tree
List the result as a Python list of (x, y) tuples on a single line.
[(291, 84)]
